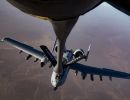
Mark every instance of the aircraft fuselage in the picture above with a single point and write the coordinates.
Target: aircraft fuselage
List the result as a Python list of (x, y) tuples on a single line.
[(58, 80)]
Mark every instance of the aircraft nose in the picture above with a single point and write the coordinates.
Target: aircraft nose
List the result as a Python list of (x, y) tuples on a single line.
[(54, 83), (54, 80)]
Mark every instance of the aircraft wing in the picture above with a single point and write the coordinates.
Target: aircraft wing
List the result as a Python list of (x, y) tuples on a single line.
[(25, 48), (98, 71)]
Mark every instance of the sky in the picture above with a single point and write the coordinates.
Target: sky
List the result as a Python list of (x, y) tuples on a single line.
[(106, 28)]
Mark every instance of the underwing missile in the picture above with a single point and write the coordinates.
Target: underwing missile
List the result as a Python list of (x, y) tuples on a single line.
[(28, 57), (100, 76), (20, 51), (36, 60), (91, 77), (110, 78), (76, 73), (42, 64), (83, 75)]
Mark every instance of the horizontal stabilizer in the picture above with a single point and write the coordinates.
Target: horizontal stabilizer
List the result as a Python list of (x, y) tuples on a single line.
[(49, 55)]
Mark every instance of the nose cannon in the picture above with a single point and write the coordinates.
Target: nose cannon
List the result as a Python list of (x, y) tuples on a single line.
[(55, 78)]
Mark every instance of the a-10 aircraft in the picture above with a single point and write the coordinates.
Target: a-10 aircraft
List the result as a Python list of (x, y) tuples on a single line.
[(69, 62)]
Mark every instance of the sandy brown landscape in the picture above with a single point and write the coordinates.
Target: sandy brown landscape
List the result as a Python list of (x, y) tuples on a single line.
[(105, 28)]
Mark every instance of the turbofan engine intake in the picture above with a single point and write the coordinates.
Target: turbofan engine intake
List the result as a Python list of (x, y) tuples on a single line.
[(78, 53)]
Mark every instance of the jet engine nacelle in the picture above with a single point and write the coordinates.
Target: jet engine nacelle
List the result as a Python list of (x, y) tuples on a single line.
[(78, 53)]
